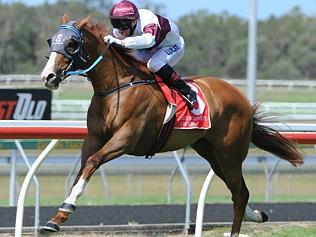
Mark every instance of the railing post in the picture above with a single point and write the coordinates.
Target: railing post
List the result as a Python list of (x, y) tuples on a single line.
[(186, 178), (201, 204), (25, 186), (37, 186), (173, 173), (12, 186)]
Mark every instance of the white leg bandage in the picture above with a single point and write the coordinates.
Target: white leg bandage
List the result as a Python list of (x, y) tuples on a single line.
[(76, 191)]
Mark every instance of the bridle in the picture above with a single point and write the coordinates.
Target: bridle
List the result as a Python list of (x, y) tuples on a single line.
[(78, 57), (70, 34), (68, 41)]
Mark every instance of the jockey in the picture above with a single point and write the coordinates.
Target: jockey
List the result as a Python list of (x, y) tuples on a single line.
[(155, 41)]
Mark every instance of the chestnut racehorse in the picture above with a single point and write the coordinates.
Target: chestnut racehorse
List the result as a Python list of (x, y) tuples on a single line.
[(127, 111)]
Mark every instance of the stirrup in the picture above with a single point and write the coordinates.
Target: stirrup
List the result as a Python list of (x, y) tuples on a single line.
[(190, 103)]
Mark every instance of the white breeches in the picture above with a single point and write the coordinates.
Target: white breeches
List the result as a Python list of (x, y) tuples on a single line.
[(158, 57)]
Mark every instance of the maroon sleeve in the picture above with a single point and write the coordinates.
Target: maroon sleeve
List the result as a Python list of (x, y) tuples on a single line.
[(152, 29), (159, 32)]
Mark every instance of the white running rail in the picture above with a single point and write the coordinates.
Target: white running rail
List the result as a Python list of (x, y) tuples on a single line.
[(77, 109)]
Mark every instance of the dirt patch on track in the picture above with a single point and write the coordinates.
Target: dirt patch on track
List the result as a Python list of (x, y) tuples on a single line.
[(258, 230)]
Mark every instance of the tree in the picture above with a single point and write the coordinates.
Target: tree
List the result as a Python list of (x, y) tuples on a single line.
[(287, 46), (215, 44)]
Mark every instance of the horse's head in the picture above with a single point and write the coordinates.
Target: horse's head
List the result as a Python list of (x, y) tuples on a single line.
[(67, 53), (77, 48)]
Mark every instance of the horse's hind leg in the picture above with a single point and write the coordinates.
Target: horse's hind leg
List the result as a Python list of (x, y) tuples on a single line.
[(227, 164)]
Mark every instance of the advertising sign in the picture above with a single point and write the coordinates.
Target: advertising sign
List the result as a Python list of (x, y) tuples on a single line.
[(25, 104)]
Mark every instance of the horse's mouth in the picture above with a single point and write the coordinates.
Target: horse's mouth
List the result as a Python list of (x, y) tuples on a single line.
[(52, 82)]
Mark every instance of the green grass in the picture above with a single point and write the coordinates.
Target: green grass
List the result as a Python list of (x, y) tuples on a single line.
[(152, 189), (284, 95), (152, 200), (74, 92), (295, 232), (269, 230), (263, 94)]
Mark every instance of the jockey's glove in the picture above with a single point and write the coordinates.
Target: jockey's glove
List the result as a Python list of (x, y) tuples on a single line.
[(112, 40)]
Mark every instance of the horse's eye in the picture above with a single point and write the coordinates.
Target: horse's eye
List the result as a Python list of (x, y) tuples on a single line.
[(72, 47)]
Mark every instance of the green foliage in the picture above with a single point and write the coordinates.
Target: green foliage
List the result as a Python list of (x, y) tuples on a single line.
[(287, 47), (25, 31), (215, 44)]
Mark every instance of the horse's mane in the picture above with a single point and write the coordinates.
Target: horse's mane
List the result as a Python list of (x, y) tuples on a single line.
[(100, 30)]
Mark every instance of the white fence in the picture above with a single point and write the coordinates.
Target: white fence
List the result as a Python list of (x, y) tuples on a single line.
[(70, 109), (289, 84), (33, 79), (77, 110), (29, 80), (73, 133)]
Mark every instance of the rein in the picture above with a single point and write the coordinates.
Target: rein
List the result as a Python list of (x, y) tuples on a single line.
[(124, 86), (83, 72)]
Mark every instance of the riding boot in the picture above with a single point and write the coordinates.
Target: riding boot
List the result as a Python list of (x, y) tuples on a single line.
[(173, 79)]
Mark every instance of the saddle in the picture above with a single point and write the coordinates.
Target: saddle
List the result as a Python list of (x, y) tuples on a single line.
[(197, 118), (178, 115)]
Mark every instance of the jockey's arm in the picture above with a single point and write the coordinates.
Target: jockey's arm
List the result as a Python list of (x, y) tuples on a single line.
[(144, 41)]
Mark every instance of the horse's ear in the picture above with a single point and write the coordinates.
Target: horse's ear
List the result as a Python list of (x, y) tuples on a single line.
[(64, 19), (84, 21)]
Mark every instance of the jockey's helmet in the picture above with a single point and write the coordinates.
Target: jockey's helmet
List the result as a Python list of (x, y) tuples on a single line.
[(122, 14)]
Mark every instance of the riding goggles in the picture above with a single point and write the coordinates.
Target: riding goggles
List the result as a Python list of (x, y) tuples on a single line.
[(68, 47), (121, 24)]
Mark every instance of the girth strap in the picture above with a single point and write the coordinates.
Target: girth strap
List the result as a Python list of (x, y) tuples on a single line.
[(124, 86), (162, 138)]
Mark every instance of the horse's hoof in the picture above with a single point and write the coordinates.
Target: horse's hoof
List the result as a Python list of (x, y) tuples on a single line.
[(255, 216), (264, 216), (67, 207), (50, 227)]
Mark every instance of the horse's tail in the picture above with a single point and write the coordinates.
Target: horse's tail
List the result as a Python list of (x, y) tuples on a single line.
[(272, 141)]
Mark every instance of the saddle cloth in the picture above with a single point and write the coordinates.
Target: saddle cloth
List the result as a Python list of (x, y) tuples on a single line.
[(198, 118)]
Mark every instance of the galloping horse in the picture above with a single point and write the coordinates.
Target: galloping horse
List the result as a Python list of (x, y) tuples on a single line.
[(127, 112)]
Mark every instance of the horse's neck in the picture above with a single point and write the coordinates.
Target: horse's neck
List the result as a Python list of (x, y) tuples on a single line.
[(118, 69), (128, 64)]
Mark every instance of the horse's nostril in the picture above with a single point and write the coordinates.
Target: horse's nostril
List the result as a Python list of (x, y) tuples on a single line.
[(50, 75)]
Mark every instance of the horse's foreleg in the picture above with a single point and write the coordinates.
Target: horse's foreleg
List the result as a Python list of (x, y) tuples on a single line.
[(90, 145), (115, 147), (68, 206)]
